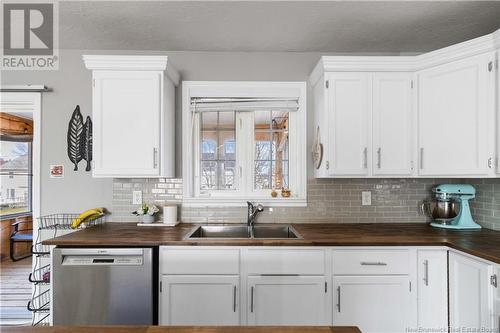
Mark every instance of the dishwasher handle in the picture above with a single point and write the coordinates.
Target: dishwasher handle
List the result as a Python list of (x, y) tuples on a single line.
[(101, 251)]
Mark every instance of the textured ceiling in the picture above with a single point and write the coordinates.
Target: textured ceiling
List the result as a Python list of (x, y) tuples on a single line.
[(371, 26)]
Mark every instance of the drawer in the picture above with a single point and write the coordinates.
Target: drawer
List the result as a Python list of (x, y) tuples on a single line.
[(285, 261), (199, 261), (371, 262)]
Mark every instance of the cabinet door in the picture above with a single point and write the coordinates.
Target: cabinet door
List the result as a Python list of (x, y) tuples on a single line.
[(286, 300), (126, 119), (392, 124), (199, 300), (373, 303), (455, 118), (471, 303), (432, 271), (348, 110)]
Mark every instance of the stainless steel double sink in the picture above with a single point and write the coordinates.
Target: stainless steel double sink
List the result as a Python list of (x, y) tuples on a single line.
[(243, 232)]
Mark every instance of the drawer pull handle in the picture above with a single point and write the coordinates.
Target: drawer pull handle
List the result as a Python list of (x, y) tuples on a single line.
[(155, 158), (338, 298), (234, 298), (372, 263), (426, 272), (365, 158), (379, 157), (251, 299)]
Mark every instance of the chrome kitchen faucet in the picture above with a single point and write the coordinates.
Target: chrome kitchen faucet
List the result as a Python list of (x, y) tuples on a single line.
[(252, 212)]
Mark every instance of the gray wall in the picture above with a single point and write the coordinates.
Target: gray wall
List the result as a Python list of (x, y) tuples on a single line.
[(71, 85), (337, 200), (329, 201)]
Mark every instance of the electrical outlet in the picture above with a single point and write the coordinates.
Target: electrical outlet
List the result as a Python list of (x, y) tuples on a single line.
[(136, 197), (366, 198)]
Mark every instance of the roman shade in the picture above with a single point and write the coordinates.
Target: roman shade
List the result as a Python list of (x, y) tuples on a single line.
[(205, 104)]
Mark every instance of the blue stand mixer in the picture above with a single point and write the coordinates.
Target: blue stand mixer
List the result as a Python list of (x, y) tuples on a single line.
[(450, 208)]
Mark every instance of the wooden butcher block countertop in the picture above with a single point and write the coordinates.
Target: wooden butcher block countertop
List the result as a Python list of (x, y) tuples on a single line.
[(173, 329), (483, 243)]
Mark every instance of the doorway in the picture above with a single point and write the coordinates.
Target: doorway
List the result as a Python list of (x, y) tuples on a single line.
[(20, 114)]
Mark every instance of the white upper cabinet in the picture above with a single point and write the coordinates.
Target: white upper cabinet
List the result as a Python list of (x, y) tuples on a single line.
[(392, 124), (497, 113), (133, 116), (456, 118), (430, 115), (348, 111), (365, 123)]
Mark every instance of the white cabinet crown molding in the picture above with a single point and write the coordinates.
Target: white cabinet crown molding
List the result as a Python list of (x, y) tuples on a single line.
[(454, 52), (132, 62)]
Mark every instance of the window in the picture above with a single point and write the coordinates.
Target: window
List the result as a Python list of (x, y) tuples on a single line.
[(271, 150), (16, 177), (238, 147), (217, 151)]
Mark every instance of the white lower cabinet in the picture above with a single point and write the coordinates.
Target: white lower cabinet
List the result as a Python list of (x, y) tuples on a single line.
[(373, 303), (287, 300), (200, 300), (378, 289), (471, 292), (432, 289)]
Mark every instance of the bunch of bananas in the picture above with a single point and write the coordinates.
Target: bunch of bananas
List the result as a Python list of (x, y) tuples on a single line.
[(86, 216)]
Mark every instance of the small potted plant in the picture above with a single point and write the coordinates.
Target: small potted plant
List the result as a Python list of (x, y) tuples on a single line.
[(147, 213)]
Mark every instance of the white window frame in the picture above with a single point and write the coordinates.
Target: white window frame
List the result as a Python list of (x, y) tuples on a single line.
[(297, 144)]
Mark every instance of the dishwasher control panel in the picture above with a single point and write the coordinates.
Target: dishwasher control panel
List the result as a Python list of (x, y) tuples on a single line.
[(72, 260)]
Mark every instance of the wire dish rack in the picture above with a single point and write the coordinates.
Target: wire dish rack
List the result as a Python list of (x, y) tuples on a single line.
[(58, 222), (40, 275), (40, 307), (40, 302), (64, 221), (50, 226)]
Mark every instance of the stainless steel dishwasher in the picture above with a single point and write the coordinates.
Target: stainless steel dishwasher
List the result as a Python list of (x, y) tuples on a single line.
[(108, 286)]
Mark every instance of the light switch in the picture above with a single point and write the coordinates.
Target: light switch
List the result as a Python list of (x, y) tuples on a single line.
[(366, 198), (137, 197)]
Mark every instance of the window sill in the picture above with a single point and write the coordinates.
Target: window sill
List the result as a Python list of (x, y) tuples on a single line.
[(242, 202), (13, 216)]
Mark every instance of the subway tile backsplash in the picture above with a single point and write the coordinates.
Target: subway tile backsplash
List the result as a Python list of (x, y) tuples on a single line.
[(155, 191), (329, 201)]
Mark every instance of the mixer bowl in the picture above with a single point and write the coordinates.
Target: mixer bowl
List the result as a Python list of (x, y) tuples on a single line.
[(441, 211)]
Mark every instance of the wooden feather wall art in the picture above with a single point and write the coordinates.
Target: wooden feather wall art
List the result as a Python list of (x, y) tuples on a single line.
[(79, 139), (87, 143)]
